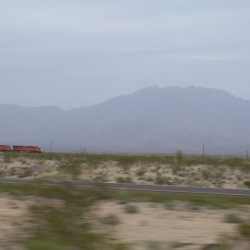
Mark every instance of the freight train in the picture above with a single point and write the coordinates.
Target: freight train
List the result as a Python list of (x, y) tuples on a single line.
[(20, 149)]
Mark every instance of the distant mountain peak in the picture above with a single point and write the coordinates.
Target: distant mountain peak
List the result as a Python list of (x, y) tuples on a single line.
[(149, 89), (153, 119)]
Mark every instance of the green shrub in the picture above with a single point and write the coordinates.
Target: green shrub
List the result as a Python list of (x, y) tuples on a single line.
[(179, 156), (125, 160), (244, 230), (122, 246), (206, 174), (169, 204), (7, 158), (247, 183), (100, 178), (232, 218), (111, 219), (176, 169), (176, 244), (131, 209), (124, 179), (141, 172), (161, 180), (2, 173), (149, 178), (153, 245)]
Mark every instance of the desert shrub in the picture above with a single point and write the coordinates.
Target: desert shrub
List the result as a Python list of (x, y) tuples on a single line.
[(62, 226), (153, 245), (179, 157), (198, 201), (182, 174), (93, 160), (124, 179), (169, 204), (125, 160), (102, 192), (247, 183), (122, 202), (232, 218), (219, 175), (2, 173), (149, 178), (73, 168), (244, 230), (141, 172), (176, 169), (225, 241), (13, 171), (161, 180), (7, 158), (176, 244), (111, 219), (239, 178), (122, 246), (100, 178), (131, 209), (214, 246), (206, 174)]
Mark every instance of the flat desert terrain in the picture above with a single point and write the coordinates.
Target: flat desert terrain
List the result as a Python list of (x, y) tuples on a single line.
[(137, 223)]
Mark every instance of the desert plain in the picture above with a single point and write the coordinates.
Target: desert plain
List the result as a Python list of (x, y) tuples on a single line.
[(132, 221)]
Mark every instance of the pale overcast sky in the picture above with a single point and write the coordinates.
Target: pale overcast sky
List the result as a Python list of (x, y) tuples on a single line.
[(81, 52)]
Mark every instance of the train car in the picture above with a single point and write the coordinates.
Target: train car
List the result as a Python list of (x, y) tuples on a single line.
[(29, 149), (5, 148)]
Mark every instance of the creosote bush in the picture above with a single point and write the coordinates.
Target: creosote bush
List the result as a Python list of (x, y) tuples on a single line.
[(124, 179), (232, 218), (161, 180), (179, 156), (247, 183), (111, 219), (244, 230), (141, 172), (131, 209)]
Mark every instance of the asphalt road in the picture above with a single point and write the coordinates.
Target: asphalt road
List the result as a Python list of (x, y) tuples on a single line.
[(137, 187)]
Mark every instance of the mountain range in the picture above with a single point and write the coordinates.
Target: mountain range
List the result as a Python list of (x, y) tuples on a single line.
[(151, 120)]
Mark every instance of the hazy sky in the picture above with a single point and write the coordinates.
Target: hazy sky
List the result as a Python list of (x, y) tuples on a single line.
[(80, 52)]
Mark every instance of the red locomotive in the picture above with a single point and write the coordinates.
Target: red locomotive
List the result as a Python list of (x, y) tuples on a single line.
[(20, 149), (5, 148)]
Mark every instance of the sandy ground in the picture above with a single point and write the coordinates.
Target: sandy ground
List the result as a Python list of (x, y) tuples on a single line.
[(154, 223), (13, 212), (153, 228)]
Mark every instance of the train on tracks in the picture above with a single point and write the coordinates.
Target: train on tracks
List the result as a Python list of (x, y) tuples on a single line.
[(20, 149)]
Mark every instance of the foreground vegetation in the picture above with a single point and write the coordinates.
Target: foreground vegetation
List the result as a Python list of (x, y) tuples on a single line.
[(60, 217)]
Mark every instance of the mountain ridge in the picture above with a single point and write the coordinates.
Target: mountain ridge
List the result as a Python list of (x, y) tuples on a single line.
[(151, 120)]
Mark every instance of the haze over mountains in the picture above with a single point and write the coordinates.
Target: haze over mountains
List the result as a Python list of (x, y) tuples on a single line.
[(151, 120)]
